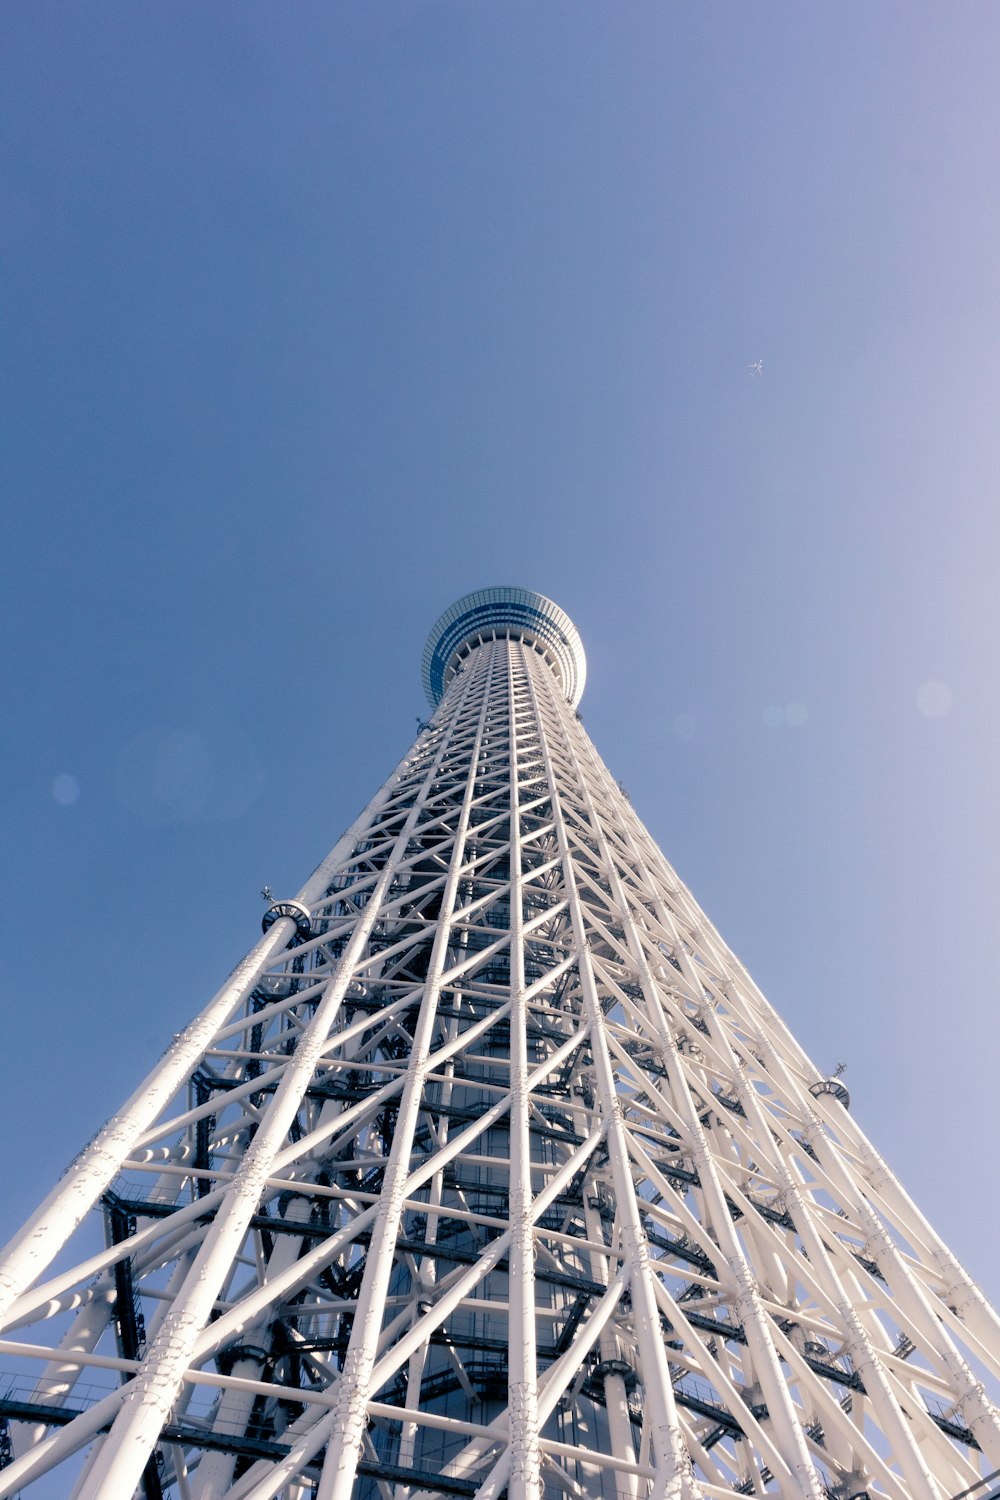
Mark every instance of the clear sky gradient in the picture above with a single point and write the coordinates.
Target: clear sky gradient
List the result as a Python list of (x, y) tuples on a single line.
[(317, 315)]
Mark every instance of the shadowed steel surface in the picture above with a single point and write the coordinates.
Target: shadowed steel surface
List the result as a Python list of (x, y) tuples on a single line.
[(490, 1171)]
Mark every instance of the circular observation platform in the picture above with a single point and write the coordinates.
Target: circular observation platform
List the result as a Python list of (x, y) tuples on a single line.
[(518, 614)]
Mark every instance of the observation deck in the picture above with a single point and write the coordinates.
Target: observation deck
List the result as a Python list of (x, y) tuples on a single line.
[(519, 614)]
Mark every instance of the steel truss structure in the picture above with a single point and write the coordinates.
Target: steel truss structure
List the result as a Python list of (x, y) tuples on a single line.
[(490, 1171)]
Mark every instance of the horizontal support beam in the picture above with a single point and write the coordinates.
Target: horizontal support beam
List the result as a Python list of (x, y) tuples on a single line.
[(244, 1447)]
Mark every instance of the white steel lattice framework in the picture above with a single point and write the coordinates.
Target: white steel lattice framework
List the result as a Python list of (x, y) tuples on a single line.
[(490, 1170)]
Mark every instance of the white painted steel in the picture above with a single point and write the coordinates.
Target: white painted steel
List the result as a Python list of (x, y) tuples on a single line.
[(503, 1178), (525, 1480)]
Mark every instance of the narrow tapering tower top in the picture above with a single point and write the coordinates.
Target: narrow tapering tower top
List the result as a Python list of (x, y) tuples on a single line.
[(487, 613)]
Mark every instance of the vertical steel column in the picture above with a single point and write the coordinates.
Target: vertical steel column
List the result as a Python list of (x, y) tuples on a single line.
[(522, 1381), (747, 1299), (674, 1480), (215, 1472), (745, 1292), (615, 1393), (353, 1389)]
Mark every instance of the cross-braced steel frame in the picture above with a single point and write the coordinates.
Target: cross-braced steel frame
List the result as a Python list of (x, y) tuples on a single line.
[(490, 1171)]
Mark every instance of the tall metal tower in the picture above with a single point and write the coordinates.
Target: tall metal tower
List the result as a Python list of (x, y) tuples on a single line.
[(489, 1170)]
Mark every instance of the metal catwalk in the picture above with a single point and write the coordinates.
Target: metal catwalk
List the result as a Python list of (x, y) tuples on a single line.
[(490, 1171)]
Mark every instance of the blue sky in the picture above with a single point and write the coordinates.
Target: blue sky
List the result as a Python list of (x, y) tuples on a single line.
[(317, 316)]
